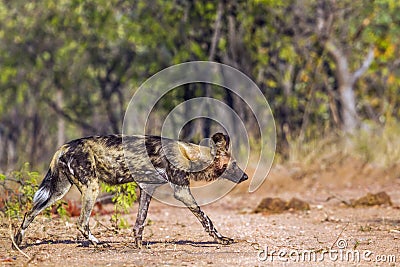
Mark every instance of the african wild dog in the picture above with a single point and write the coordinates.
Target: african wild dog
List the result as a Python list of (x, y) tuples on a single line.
[(87, 161)]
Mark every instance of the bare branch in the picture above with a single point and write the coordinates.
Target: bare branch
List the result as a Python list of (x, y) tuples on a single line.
[(341, 61), (334, 51), (14, 244), (364, 67)]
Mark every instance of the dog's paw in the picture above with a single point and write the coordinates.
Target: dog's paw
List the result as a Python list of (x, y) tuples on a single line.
[(103, 245), (224, 240), (17, 240), (138, 243)]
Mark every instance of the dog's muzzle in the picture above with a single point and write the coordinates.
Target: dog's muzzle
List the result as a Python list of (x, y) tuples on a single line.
[(243, 178)]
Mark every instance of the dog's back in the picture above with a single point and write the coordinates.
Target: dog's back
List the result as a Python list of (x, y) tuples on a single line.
[(112, 159)]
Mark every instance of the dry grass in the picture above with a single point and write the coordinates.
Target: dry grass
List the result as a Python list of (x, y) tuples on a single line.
[(375, 145)]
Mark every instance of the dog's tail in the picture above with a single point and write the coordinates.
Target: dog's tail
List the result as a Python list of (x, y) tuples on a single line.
[(49, 183), (42, 196)]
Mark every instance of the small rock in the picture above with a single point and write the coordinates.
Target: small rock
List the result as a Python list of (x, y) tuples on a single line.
[(297, 204), (278, 205), (245, 211), (381, 198), (273, 205)]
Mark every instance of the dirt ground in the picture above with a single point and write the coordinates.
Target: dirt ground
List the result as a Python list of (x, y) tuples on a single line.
[(330, 233)]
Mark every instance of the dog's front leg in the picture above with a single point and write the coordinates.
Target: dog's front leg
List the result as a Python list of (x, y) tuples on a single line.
[(183, 194)]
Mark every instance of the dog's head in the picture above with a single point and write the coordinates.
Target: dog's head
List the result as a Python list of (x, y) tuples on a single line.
[(225, 163)]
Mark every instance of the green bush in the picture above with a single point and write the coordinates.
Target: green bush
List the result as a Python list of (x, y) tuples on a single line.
[(124, 197), (19, 189)]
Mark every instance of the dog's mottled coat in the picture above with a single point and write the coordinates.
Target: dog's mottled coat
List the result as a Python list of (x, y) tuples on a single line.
[(153, 161)]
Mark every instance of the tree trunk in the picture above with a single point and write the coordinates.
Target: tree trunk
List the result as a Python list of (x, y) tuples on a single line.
[(60, 120), (346, 81), (11, 152), (187, 130), (348, 108)]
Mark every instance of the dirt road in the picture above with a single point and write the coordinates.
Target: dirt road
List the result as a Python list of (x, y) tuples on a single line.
[(330, 232)]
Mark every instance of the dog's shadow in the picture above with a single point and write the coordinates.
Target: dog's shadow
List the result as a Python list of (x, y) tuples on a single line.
[(183, 242), (79, 243), (146, 244)]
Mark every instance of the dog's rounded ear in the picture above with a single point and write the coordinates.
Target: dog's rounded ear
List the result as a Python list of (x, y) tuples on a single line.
[(221, 141), (228, 141), (191, 153)]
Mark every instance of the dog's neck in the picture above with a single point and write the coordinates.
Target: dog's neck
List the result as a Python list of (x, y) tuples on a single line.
[(212, 172)]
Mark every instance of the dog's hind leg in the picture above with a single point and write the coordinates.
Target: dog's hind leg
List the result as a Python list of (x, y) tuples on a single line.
[(89, 195), (53, 187), (183, 194), (146, 192)]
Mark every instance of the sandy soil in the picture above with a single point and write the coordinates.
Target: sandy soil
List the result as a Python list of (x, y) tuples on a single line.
[(330, 233)]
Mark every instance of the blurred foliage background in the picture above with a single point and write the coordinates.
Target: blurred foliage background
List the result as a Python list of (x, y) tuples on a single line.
[(328, 68)]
